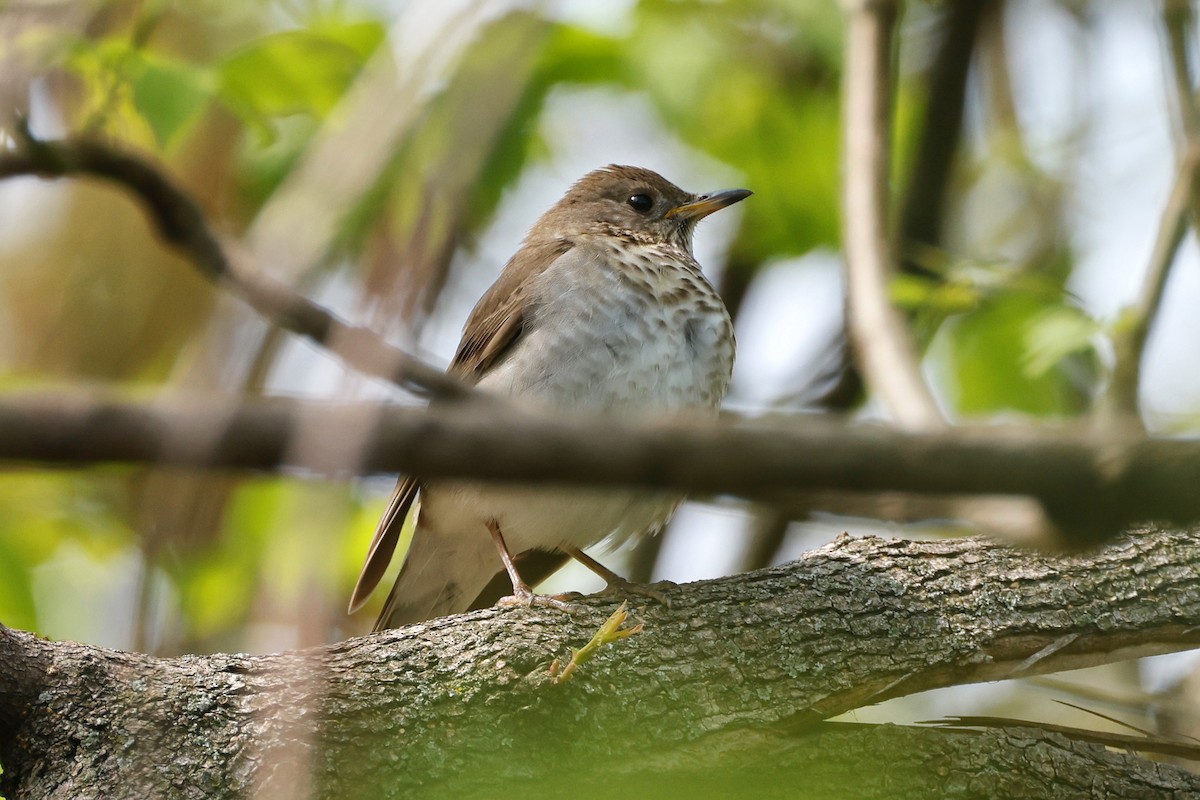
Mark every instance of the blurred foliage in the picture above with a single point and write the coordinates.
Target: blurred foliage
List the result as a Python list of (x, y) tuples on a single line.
[(296, 72), (229, 96), (1016, 340)]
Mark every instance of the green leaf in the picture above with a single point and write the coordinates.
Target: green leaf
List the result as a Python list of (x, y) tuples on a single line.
[(989, 355), (917, 293), (168, 94), (762, 98), (125, 83), (296, 72), (361, 37), (1055, 334)]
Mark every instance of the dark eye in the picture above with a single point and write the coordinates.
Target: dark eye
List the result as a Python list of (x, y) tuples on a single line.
[(640, 202)]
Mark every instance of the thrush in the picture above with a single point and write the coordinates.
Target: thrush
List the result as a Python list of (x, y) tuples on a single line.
[(603, 309)]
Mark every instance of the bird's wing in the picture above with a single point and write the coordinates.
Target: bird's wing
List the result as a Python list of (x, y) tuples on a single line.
[(494, 326), (500, 315)]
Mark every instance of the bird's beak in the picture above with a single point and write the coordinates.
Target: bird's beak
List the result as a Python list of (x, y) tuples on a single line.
[(706, 204)]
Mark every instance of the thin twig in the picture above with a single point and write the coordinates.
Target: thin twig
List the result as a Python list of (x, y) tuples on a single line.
[(1178, 20), (611, 631), (1045, 652), (183, 226), (882, 342), (1120, 401), (1129, 341)]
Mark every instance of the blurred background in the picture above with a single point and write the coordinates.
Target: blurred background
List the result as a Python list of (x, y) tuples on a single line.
[(386, 158)]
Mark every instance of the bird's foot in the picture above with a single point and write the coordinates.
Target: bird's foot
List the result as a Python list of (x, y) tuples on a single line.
[(623, 589), (615, 585), (524, 597)]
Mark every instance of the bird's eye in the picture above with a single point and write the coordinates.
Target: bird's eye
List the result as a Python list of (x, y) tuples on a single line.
[(640, 202)]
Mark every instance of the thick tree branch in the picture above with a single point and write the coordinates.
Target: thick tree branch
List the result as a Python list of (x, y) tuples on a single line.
[(1093, 483), (182, 225), (469, 698), (882, 343), (845, 761)]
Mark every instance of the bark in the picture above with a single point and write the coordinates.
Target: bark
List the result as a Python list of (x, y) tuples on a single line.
[(841, 761), (734, 668)]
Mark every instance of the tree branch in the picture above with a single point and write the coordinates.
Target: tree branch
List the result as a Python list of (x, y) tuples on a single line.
[(1093, 483), (469, 699), (183, 226), (846, 761), (881, 341), (937, 148), (1129, 340), (1120, 401)]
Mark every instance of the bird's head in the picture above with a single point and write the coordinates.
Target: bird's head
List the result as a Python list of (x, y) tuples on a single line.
[(632, 202)]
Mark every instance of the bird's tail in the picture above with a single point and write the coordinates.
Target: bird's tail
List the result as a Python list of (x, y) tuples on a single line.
[(442, 574)]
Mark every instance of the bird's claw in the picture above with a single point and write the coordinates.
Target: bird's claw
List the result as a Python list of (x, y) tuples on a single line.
[(524, 597), (624, 589)]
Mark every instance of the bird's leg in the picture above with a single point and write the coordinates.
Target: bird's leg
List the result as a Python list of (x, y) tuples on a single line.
[(616, 585), (522, 595)]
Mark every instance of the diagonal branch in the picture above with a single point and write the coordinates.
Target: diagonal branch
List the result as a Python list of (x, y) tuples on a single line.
[(183, 226), (1143, 742), (471, 698), (1120, 401), (1129, 340)]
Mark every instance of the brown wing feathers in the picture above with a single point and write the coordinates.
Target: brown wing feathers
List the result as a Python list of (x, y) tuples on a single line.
[(495, 325), (499, 317)]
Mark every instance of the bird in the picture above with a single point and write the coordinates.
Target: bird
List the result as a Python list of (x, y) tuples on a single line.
[(603, 309)]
